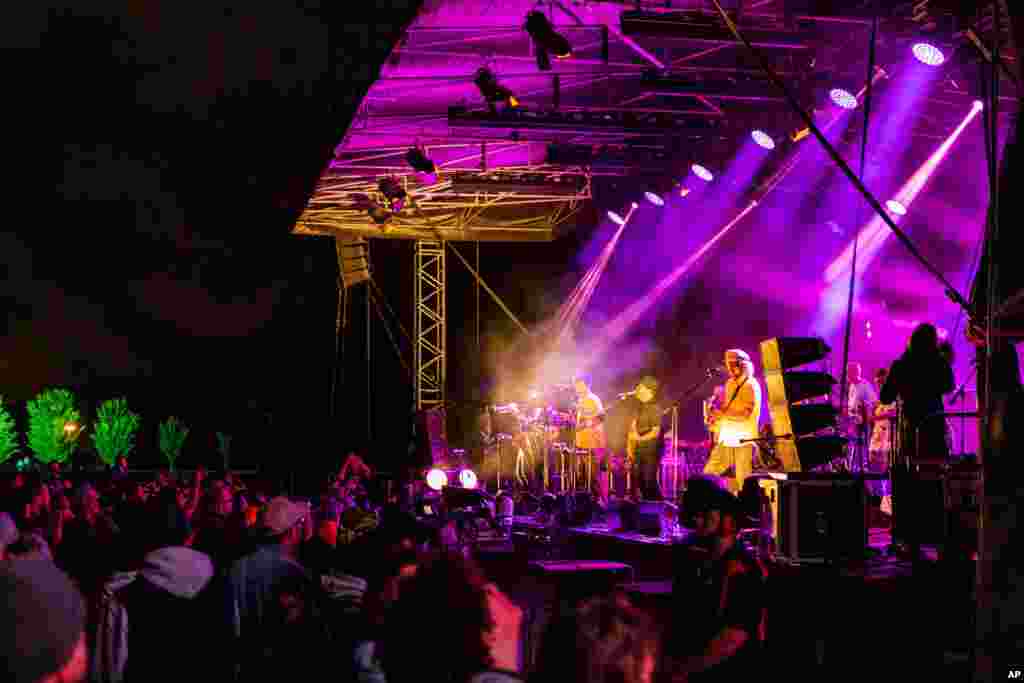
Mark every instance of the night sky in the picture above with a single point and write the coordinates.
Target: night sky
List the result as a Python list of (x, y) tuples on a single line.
[(162, 153)]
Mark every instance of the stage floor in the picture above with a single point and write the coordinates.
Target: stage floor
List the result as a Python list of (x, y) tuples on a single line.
[(822, 617)]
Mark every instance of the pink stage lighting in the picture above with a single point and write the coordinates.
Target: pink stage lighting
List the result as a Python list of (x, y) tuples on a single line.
[(702, 173), (896, 208), (843, 98), (616, 218), (928, 54), (763, 139), (654, 199)]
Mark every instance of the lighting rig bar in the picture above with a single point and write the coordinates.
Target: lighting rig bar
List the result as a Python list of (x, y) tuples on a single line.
[(620, 120), (610, 156), (736, 86), (566, 185), (700, 27)]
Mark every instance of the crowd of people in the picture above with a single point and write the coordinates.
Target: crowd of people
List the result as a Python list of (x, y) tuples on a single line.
[(117, 579)]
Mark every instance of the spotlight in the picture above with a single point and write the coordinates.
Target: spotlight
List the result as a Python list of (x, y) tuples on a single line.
[(635, 205), (798, 135), (979, 105), (492, 91), (928, 54), (468, 479), (896, 207), (763, 139), (702, 173), (393, 191), (419, 162), (546, 40), (616, 218), (683, 190), (843, 98), (654, 199), (437, 479)]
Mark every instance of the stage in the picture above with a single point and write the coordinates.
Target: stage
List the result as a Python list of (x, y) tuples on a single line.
[(853, 617)]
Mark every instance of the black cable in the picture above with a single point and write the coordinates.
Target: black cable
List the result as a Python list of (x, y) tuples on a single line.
[(391, 336), (872, 51), (952, 293)]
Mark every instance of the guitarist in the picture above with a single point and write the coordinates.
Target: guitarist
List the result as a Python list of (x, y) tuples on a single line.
[(737, 421), (642, 443), (590, 434)]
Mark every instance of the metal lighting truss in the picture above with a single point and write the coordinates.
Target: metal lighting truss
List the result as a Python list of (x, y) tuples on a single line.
[(431, 324)]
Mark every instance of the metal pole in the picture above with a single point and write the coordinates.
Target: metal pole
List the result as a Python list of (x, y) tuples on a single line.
[(675, 453), (369, 363)]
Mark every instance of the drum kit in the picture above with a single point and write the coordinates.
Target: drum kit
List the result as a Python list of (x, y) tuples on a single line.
[(536, 437)]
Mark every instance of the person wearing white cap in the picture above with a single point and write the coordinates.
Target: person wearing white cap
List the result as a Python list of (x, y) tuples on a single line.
[(737, 421), (255, 579)]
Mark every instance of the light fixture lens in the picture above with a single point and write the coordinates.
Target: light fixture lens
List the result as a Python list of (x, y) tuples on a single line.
[(702, 173), (843, 98), (979, 105), (616, 218), (896, 207), (763, 139), (928, 54), (437, 479), (468, 479), (654, 199)]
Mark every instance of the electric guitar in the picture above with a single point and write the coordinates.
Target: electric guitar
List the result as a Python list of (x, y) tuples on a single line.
[(709, 421)]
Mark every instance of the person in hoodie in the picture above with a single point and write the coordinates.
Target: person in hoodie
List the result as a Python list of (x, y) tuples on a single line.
[(175, 628)]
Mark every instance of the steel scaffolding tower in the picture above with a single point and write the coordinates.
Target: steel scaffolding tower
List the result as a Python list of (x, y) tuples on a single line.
[(431, 327)]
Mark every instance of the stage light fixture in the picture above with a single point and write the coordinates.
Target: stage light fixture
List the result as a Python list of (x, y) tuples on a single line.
[(979, 105), (393, 191), (616, 218), (546, 40), (763, 139), (467, 478), (635, 205), (702, 173), (437, 479), (492, 91), (928, 54), (654, 199), (843, 98), (683, 190), (420, 163), (895, 207)]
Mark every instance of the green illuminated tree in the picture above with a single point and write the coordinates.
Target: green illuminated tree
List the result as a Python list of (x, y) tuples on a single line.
[(224, 448), (114, 432), (54, 425), (173, 433), (8, 433)]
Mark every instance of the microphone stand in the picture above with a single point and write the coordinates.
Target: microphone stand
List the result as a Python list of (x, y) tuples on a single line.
[(674, 409)]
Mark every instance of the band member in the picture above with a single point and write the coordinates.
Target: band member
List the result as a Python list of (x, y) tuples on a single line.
[(880, 446), (737, 421), (642, 441), (590, 434), (860, 403)]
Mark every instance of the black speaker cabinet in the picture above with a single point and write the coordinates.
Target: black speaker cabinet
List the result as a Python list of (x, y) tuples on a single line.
[(642, 518), (816, 518)]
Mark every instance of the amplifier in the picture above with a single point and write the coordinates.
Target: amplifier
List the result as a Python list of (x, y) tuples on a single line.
[(817, 519), (644, 517), (937, 504)]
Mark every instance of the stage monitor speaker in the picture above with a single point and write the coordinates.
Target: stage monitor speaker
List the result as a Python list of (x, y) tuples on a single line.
[(642, 518), (816, 519)]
